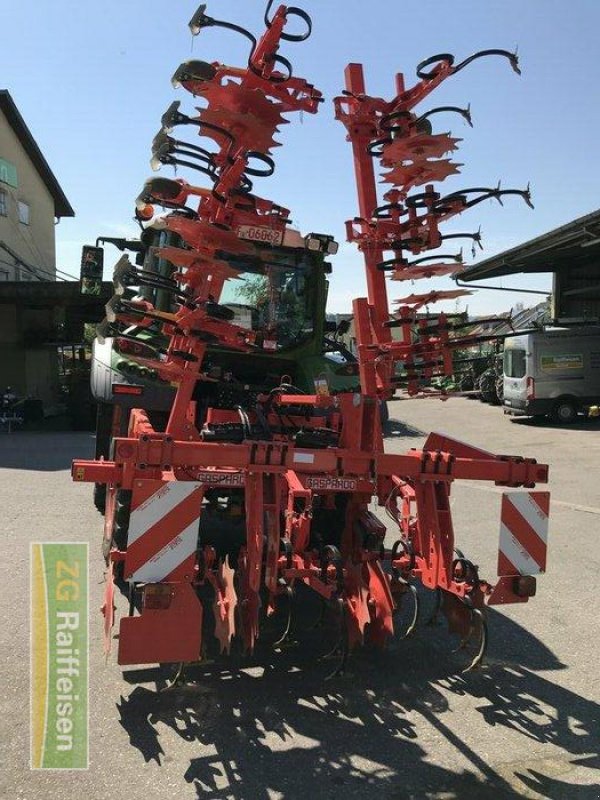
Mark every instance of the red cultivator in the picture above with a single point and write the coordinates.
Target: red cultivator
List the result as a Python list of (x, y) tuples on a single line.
[(236, 503)]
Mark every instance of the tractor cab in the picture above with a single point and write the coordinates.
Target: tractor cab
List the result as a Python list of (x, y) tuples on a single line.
[(280, 298)]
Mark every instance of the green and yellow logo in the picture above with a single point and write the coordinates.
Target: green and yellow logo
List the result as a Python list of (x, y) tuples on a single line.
[(562, 363), (59, 656)]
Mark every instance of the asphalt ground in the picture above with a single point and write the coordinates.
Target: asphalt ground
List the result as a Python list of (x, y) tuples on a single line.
[(404, 723)]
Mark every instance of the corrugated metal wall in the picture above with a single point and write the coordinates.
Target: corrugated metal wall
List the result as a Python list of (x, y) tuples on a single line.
[(577, 292)]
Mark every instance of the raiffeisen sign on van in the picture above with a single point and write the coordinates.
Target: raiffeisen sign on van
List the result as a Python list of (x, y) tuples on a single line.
[(560, 363)]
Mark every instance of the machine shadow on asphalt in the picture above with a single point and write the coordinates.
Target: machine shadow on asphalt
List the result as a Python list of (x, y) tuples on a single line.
[(234, 704), (394, 428), (43, 452)]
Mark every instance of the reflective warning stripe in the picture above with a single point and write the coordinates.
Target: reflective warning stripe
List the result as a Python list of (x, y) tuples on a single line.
[(157, 506), (163, 533), (166, 560), (531, 511), (523, 533)]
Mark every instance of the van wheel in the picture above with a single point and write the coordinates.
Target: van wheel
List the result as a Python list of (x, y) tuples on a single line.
[(564, 412)]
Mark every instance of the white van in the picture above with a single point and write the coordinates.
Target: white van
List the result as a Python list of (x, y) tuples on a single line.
[(555, 371)]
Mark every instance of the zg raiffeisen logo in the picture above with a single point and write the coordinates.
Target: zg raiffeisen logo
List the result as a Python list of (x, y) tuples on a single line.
[(59, 656)]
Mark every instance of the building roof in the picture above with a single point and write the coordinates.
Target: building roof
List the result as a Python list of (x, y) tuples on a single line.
[(62, 207), (513, 321), (576, 244)]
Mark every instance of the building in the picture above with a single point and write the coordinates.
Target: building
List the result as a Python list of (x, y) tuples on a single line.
[(31, 201), (571, 253)]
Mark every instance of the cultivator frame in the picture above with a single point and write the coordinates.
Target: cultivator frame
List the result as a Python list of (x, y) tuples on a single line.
[(282, 481), (297, 457)]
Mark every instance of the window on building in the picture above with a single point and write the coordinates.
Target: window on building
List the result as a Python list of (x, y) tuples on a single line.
[(3, 203), (23, 212)]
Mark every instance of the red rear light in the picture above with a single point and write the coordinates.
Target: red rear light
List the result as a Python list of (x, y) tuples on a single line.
[(124, 388), (125, 450), (158, 595), (524, 586), (530, 391), (123, 345)]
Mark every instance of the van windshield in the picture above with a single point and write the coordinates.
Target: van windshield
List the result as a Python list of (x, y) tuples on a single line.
[(514, 363)]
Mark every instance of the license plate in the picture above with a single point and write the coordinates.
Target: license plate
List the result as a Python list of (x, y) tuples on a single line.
[(256, 233)]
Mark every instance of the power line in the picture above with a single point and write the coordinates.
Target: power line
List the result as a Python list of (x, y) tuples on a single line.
[(33, 269)]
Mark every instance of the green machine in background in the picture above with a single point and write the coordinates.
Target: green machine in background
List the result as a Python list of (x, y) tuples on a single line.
[(282, 299)]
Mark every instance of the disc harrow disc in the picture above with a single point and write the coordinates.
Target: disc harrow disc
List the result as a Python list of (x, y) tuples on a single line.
[(224, 605), (423, 145), (417, 174), (249, 131), (426, 271), (231, 97)]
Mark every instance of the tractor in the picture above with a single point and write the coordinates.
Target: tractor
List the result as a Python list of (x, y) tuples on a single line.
[(286, 293)]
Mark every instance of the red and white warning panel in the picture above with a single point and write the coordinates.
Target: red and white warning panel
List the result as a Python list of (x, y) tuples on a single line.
[(523, 533), (163, 530)]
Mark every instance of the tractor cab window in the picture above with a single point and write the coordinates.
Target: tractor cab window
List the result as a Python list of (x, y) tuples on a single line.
[(275, 299)]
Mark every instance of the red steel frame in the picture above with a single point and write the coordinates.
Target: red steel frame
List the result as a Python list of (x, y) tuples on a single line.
[(281, 480)]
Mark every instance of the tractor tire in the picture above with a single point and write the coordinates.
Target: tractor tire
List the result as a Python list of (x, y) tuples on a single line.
[(500, 389), (565, 412), (466, 383), (122, 514), (487, 387), (120, 531), (100, 497), (104, 417)]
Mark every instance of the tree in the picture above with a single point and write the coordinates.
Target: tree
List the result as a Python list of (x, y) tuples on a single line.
[(255, 290)]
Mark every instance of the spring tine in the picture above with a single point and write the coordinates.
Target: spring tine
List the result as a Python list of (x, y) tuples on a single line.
[(483, 640), (177, 680), (291, 595), (415, 617), (319, 622), (336, 646), (433, 619), (342, 644)]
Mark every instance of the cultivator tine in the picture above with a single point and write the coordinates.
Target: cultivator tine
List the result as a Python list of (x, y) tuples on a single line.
[(357, 593), (321, 617), (467, 622), (179, 678), (477, 614), (249, 608), (289, 593), (382, 604), (439, 603), (342, 645), (409, 588)]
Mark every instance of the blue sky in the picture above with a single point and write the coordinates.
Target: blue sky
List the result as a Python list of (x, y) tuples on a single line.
[(93, 79)]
